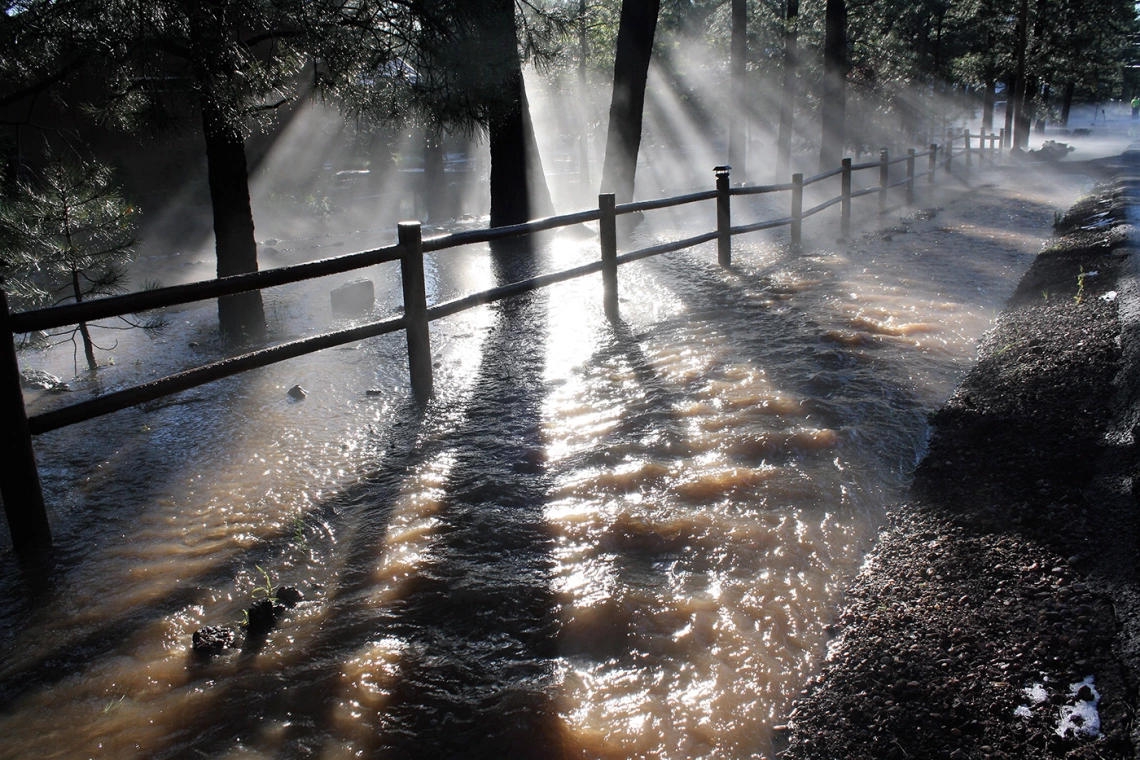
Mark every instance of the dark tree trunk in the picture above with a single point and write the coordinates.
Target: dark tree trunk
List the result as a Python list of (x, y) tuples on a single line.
[(586, 105), (1020, 123), (636, 29), (1043, 110), (1010, 107), (833, 109), (241, 316), (788, 99), (738, 112), (988, 106), (518, 184), (1067, 103)]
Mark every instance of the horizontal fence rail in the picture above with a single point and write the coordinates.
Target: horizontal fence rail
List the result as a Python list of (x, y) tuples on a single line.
[(19, 480)]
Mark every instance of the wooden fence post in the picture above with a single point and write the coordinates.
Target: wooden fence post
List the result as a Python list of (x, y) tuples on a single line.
[(933, 163), (607, 227), (797, 208), (1001, 145), (723, 217), (949, 153), (415, 310), (910, 176), (884, 178), (845, 204), (19, 479), (966, 140)]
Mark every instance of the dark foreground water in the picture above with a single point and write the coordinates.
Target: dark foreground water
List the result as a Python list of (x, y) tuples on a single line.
[(599, 540)]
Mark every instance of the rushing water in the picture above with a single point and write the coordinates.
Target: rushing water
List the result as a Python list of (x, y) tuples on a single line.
[(600, 540)]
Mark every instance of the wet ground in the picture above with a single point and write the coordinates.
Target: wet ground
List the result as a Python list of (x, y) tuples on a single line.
[(997, 616), (599, 540)]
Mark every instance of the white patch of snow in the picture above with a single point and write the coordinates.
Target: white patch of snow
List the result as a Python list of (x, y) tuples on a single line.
[(1082, 717)]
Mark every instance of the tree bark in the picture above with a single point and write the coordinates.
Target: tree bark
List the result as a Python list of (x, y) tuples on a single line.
[(1020, 123), (1067, 102), (518, 183), (988, 106), (585, 105), (636, 29), (1010, 107), (738, 113), (787, 103), (242, 316), (833, 109)]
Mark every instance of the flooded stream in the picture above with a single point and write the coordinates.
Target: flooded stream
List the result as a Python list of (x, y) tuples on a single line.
[(599, 540)]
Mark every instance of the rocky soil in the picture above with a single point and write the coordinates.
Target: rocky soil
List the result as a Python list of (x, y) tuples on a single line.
[(997, 616)]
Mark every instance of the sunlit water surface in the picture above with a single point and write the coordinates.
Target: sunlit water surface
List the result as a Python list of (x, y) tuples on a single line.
[(599, 540)]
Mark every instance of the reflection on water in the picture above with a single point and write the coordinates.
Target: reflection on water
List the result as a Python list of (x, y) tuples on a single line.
[(599, 540)]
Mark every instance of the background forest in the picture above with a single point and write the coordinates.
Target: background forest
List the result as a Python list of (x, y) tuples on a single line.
[(160, 90)]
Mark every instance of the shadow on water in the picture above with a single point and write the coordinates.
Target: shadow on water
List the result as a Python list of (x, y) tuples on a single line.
[(476, 620), (480, 619)]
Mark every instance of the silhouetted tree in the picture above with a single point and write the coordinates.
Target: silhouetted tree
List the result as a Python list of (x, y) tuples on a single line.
[(636, 29)]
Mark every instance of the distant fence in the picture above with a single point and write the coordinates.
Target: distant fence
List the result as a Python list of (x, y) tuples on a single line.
[(19, 480)]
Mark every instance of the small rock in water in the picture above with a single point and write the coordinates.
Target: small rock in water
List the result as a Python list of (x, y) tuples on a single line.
[(39, 380), (262, 618), (297, 393), (210, 641), (289, 596), (373, 392), (353, 297)]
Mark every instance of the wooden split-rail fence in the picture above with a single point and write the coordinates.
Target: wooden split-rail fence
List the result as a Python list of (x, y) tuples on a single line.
[(19, 478)]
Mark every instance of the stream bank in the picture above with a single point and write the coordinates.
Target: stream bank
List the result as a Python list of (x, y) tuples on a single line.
[(998, 615)]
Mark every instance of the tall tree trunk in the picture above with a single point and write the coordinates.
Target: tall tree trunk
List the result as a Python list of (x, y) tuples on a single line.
[(988, 106), (1067, 102), (636, 29), (788, 99), (1010, 107), (833, 109), (1043, 110), (1020, 123), (585, 104), (240, 316), (738, 113), (518, 184)]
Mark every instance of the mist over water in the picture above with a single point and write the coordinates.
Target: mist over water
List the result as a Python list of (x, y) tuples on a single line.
[(599, 540)]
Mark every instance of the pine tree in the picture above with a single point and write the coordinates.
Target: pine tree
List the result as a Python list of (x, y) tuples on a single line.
[(67, 238)]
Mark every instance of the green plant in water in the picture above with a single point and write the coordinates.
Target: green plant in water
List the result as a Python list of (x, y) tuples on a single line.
[(267, 589), (1080, 296), (299, 531), (1045, 295)]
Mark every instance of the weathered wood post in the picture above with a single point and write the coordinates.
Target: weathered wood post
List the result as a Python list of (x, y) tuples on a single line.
[(910, 176), (415, 310), (607, 237), (884, 178), (797, 208), (933, 163), (723, 216), (19, 479), (1001, 145), (949, 154), (966, 140), (845, 204)]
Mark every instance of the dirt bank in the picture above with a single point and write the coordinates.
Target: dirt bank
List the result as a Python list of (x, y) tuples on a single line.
[(996, 617)]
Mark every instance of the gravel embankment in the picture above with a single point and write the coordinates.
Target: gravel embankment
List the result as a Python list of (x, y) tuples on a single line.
[(997, 615)]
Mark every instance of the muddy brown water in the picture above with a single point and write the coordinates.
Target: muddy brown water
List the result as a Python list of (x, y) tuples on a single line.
[(609, 540)]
